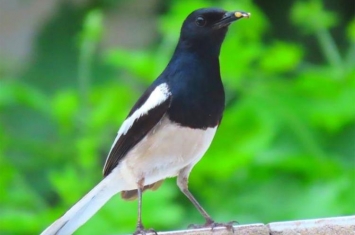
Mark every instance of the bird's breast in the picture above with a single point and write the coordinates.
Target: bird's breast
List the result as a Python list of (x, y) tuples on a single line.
[(198, 107), (164, 151)]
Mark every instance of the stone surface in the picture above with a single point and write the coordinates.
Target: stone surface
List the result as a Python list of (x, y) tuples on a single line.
[(328, 226), (250, 229)]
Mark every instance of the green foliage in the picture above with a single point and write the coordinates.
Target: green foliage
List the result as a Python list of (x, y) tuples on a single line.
[(312, 16), (285, 149)]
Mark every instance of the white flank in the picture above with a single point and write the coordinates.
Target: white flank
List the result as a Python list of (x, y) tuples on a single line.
[(164, 151), (158, 96)]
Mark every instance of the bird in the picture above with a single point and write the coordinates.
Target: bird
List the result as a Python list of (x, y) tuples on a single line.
[(169, 128)]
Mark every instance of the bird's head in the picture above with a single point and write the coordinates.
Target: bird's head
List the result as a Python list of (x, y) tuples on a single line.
[(206, 28)]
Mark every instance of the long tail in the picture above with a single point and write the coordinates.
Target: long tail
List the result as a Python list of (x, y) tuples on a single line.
[(86, 207)]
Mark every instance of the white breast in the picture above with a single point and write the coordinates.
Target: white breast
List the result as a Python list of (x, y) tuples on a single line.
[(164, 152)]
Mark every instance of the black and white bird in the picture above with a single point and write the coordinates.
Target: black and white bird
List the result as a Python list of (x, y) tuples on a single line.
[(170, 127)]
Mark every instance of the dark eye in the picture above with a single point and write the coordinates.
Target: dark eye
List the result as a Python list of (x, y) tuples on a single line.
[(200, 21)]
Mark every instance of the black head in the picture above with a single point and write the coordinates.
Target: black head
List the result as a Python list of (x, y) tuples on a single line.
[(206, 28)]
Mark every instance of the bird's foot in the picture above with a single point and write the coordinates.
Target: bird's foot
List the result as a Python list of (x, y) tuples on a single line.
[(142, 231), (211, 224)]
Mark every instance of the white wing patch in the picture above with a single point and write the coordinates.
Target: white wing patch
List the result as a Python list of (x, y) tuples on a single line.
[(160, 94)]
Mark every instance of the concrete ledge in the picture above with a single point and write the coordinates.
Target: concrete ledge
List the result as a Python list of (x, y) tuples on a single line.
[(337, 225), (328, 226), (251, 229)]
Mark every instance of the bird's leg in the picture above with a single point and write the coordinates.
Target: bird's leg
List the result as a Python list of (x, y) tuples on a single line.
[(182, 182), (140, 228)]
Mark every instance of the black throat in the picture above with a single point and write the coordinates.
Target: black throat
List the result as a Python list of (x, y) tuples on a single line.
[(197, 91)]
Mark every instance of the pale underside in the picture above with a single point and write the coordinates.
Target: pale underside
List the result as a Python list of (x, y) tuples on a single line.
[(163, 152)]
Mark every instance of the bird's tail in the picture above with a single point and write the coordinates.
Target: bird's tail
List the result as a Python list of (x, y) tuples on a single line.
[(86, 207)]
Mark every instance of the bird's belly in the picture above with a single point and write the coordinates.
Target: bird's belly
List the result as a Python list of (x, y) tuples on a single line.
[(163, 152)]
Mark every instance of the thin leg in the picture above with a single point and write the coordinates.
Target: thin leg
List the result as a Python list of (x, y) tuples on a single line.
[(182, 182), (139, 222), (140, 228)]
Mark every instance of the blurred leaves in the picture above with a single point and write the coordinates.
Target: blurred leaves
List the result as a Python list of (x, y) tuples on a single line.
[(311, 15), (285, 149), (285, 58), (351, 31), (92, 26), (65, 106), (12, 93)]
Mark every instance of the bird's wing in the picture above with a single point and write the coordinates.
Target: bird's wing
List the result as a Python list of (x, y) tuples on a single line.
[(145, 114)]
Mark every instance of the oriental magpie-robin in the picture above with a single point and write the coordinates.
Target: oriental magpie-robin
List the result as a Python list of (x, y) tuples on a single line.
[(170, 127)]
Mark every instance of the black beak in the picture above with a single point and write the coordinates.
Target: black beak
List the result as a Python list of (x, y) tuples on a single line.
[(230, 17)]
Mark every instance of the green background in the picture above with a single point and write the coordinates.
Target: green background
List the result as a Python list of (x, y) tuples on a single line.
[(285, 149)]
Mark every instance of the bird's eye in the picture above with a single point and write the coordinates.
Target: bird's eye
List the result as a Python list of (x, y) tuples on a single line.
[(200, 21)]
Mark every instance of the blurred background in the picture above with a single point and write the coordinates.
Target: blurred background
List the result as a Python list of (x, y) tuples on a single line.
[(70, 70)]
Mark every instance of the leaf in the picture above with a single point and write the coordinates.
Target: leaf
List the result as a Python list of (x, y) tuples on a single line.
[(311, 16)]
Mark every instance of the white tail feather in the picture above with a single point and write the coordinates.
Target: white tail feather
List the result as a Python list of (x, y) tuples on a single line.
[(86, 207)]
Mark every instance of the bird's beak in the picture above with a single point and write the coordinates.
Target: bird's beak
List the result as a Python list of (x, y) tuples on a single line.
[(230, 17)]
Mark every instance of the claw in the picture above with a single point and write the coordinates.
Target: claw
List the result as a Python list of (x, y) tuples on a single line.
[(141, 231), (211, 224)]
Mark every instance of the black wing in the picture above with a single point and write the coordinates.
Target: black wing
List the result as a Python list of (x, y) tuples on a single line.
[(136, 132)]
